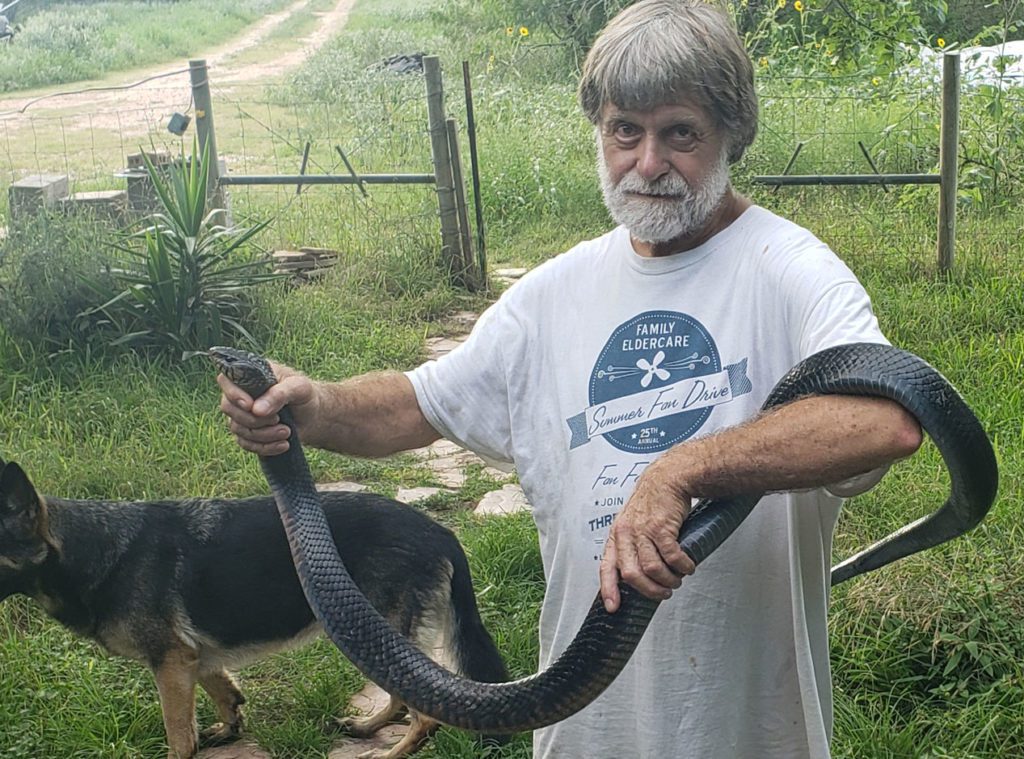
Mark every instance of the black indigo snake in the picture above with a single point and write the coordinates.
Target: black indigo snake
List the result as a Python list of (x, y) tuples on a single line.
[(605, 641)]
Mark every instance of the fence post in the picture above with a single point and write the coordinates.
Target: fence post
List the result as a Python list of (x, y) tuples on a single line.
[(948, 142), (451, 245), (200, 78), (470, 277)]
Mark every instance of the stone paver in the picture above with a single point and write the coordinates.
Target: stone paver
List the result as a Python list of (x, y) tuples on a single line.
[(438, 346), (341, 487), (382, 740), (509, 500), (415, 495), (449, 471)]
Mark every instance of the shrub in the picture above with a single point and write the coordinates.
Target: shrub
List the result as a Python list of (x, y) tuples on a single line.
[(186, 280)]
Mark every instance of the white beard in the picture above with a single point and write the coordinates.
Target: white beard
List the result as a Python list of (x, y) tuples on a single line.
[(686, 211)]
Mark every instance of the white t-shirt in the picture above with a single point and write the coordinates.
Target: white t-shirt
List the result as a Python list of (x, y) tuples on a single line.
[(581, 375)]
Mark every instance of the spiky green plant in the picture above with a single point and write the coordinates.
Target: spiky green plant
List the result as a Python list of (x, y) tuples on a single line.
[(187, 279)]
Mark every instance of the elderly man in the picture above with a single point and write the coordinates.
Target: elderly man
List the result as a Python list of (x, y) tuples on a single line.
[(623, 380)]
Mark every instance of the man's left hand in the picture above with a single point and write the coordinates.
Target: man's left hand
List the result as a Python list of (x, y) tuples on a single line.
[(642, 546)]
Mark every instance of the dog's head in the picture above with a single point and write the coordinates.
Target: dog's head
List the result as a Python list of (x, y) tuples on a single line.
[(24, 535)]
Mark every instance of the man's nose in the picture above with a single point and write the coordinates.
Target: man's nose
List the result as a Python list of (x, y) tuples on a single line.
[(652, 160)]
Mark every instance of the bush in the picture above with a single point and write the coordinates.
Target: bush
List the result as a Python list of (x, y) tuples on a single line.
[(185, 281)]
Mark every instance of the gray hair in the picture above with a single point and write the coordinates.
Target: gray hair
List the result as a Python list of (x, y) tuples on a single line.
[(659, 52)]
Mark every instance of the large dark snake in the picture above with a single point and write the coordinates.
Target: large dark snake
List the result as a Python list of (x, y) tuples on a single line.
[(606, 641)]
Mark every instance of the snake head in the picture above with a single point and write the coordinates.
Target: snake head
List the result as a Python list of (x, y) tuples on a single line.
[(249, 371)]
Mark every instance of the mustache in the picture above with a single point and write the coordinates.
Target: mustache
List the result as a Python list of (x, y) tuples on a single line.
[(666, 185)]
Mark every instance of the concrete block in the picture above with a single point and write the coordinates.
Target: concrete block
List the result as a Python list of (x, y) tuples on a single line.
[(102, 204), (31, 194)]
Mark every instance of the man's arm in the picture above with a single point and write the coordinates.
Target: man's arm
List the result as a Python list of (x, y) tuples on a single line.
[(805, 444), (372, 415)]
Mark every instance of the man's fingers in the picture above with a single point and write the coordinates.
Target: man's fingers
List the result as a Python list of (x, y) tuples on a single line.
[(663, 578), (633, 555), (233, 393), (610, 577), (675, 557)]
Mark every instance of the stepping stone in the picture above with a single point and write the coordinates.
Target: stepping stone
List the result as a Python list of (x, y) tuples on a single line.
[(465, 319), (240, 750), (370, 700), (341, 487), (382, 740), (497, 474), (444, 447), (439, 346), (415, 495), (449, 471), (509, 273), (509, 500)]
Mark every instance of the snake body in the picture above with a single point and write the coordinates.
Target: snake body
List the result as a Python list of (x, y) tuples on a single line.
[(605, 641)]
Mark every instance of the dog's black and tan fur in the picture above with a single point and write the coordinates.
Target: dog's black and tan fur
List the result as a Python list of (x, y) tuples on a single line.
[(196, 588)]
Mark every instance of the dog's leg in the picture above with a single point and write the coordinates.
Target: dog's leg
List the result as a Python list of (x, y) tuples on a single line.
[(421, 728), (228, 699), (176, 678), (364, 727)]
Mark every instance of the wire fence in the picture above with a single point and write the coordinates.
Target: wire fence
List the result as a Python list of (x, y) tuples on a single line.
[(862, 126), (376, 120)]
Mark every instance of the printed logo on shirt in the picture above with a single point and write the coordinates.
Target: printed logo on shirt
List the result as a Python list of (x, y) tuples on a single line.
[(655, 384)]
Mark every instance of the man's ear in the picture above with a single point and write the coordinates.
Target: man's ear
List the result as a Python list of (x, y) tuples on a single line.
[(17, 496)]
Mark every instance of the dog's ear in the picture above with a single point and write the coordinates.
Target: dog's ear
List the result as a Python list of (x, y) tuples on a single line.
[(17, 496)]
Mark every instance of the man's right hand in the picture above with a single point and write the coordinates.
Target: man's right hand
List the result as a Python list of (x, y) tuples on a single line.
[(256, 424)]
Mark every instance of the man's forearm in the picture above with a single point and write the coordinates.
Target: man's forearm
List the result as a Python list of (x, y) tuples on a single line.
[(372, 415), (808, 443)]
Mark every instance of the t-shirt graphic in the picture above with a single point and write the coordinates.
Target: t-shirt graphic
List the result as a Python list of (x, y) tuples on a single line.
[(655, 383)]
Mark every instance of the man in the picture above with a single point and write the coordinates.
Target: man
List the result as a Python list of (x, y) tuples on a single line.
[(623, 379)]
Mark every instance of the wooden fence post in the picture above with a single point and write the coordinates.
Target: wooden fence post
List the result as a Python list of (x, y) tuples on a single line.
[(200, 78), (469, 275), (948, 142), (451, 243)]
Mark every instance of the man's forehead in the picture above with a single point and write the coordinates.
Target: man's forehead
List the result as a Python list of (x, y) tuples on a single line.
[(688, 111)]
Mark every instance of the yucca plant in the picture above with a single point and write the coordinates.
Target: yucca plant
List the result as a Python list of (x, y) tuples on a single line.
[(187, 279)]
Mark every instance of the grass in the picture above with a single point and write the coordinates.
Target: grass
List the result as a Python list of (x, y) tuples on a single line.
[(73, 42), (926, 654)]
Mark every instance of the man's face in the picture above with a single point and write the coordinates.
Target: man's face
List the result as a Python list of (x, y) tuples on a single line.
[(664, 171)]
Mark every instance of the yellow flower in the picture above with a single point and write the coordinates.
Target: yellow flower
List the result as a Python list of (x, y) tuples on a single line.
[(781, 3), (509, 30), (523, 31), (876, 80), (763, 63), (798, 6), (940, 42)]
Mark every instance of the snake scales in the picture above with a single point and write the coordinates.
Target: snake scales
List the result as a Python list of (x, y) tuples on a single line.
[(605, 641)]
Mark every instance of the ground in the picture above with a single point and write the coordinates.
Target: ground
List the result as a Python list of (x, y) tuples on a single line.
[(232, 64)]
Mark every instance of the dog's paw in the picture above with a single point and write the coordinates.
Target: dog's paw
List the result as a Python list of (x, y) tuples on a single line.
[(357, 727), (220, 733)]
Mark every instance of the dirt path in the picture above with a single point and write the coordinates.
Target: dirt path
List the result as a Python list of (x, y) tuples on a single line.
[(163, 90)]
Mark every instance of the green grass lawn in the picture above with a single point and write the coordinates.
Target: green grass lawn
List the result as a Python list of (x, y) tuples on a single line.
[(926, 654)]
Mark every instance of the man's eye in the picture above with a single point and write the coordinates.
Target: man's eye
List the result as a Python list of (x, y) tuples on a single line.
[(625, 131)]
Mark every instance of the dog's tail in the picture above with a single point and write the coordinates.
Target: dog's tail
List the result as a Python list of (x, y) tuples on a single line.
[(476, 654)]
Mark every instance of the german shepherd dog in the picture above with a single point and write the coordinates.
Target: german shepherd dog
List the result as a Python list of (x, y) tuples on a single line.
[(196, 588)]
